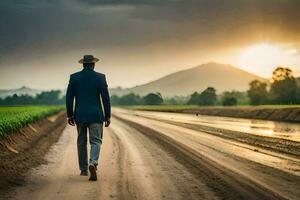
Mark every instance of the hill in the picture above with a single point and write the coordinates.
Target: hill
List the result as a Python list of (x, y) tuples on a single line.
[(19, 91), (220, 76)]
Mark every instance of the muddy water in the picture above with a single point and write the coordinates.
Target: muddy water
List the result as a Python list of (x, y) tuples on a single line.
[(290, 131)]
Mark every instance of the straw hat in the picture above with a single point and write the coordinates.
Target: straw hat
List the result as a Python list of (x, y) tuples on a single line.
[(88, 59)]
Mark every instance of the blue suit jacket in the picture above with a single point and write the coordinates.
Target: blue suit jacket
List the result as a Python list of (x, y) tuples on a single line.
[(86, 87)]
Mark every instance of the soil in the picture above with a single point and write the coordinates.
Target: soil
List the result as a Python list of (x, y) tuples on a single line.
[(26, 148)]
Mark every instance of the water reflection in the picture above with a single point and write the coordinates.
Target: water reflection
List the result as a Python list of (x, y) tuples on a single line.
[(284, 130), (261, 127)]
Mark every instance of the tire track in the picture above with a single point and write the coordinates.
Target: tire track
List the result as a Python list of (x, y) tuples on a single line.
[(225, 183), (153, 173)]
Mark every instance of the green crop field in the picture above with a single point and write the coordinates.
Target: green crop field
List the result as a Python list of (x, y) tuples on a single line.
[(14, 118)]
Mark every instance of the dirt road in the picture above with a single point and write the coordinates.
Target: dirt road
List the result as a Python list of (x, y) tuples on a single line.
[(144, 158)]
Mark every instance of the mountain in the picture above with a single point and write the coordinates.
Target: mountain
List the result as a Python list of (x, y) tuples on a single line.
[(20, 91), (220, 76)]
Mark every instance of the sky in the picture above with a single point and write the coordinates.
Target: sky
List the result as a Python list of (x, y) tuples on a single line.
[(138, 41)]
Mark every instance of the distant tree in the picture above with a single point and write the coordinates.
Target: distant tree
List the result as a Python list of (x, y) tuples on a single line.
[(171, 101), (114, 100), (130, 99), (241, 97), (44, 98), (229, 99), (258, 93), (298, 85), (284, 87), (153, 99), (194, 99), (62, 99), (208, 97), (48, 98)]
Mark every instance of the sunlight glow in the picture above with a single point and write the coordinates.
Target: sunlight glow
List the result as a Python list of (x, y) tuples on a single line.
[(263, 58), (293, 51)]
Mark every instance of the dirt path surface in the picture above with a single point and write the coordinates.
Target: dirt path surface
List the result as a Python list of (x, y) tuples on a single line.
[(143, 158)]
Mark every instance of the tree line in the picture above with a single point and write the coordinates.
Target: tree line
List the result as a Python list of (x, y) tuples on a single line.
[(52, 97), (133, 99), (283, 88), (209, 97)]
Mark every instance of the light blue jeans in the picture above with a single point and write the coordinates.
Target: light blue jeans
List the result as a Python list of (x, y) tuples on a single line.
[(95, 136)]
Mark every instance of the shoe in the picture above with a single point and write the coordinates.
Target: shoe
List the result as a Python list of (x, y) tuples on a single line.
[(84, 173), (93, 173)]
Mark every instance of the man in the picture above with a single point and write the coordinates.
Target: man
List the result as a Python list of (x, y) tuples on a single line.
[(86, 87)]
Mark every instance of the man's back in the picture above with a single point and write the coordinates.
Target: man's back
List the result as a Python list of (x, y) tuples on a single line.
[(86, 86)]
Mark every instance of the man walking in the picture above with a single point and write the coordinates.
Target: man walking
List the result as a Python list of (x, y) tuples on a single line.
[(87, 87)]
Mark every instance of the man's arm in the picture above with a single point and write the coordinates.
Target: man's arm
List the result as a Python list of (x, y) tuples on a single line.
[(106, 101), (70, 102)]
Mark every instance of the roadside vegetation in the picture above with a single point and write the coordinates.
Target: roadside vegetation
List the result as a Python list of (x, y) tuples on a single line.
[(14, 118)]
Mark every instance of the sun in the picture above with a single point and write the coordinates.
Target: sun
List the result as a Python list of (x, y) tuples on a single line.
[(264, 51), (260, 58)]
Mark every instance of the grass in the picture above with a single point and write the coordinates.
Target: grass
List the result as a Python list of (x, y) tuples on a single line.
[(174, 108), (14, 118)]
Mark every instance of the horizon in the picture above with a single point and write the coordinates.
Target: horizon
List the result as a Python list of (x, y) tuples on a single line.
[(210, 62)]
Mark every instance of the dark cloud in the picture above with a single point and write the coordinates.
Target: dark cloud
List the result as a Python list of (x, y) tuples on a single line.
[(129, 2), (35, 29), (39, 23), (210, 19)]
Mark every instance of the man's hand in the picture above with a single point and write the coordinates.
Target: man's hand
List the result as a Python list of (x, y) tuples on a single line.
[(71, 121), (107, 122)]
